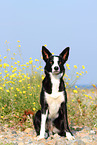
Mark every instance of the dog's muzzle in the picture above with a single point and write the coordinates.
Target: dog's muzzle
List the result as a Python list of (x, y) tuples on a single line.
[(56, 70)]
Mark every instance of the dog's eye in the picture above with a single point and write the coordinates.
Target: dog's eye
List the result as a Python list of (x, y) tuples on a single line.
[(51, 62)]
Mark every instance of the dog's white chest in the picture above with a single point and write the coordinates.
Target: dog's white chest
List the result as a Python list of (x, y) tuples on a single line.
[(54, 101)]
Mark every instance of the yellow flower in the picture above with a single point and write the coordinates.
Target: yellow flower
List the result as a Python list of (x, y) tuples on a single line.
[(30, 61), (85, 95), (18, 40), (30, 94), (34, 109), (36, 60), (1, 88), (0, 60), (8, 49), (42, 77), (20, 81), (24, 92), (28, 78), (0, 65), (14, 54), (23, 68), (18, 89), (12, 58), (2, 117), (7, 91), (5, 65), (67, 65), (11, 66), (27, 62), (15, 63), (76, 87), (68, 68), (80, 74), (77, 76), (15, 95), (77, 73), (3, 85), (5, 41), (52, 53), (38, 85), (40, 66), (7, 74), (83, 67), (5, 71), (90, 97), (75, 66), (45, 45), (19, 45), (66, 75), (25, 76), (5, 57), (30, 58), (75, 91), (94, 85), (33, 103)]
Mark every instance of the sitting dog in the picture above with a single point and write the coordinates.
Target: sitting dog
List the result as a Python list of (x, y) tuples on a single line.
[(52, 118)]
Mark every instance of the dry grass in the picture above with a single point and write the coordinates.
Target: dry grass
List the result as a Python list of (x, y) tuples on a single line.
[(20, 86)]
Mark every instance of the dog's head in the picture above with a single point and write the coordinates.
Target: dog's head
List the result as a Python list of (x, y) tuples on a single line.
[(54, 63)]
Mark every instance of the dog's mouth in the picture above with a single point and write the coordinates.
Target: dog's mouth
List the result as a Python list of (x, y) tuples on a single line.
[(56, 72)]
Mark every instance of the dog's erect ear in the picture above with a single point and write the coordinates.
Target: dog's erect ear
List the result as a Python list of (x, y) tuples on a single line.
[(46, 53), (64, 54)]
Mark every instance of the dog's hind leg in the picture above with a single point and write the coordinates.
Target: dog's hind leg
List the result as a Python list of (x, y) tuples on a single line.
[(37, 121), (69, 134)]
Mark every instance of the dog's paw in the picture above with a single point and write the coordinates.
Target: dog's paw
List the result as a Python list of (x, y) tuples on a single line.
[(69, 136), (39, 137)]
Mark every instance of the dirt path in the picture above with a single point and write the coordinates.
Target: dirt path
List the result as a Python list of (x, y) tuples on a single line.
[(83, 136)]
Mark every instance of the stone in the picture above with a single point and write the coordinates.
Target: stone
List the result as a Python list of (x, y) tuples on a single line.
[(28, 130), (14, 132), (92, 132)]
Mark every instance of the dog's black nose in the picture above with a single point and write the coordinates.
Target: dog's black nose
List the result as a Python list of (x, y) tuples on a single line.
[(56, 67)]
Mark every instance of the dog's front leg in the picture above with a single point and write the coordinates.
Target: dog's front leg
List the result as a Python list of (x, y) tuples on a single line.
[(43, 125)]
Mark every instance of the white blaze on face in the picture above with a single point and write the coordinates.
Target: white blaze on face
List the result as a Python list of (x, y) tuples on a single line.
[(56, 59)]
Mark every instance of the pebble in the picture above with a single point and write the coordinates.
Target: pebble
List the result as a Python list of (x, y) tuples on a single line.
[(84, 136)]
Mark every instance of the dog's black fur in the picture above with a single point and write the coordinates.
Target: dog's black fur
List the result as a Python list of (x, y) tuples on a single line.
[(53, 97)]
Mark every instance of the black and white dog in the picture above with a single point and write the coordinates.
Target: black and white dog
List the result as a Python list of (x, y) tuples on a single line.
[(52, 118)]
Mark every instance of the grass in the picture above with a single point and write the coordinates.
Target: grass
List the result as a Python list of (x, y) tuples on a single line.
[(20, 86)]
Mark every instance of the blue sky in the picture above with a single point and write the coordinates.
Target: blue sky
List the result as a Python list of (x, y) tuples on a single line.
[(56, 23)]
